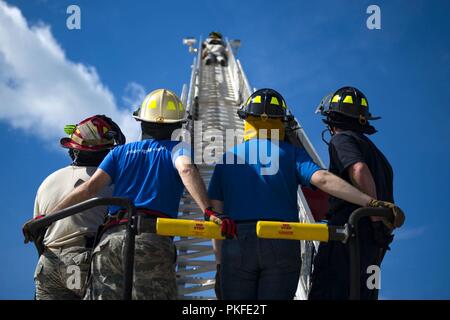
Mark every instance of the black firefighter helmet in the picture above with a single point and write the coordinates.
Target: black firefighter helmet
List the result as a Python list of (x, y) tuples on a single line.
[(264, 103), (215, 34), (347, 108)]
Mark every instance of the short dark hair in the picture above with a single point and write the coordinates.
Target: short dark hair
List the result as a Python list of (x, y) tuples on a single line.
[(159, 131), (343, 122)]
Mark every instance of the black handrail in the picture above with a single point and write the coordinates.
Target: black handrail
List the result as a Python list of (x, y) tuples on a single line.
[(355, 217), (35, 226)]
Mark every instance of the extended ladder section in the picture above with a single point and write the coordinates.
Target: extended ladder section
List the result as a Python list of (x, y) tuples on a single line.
[(212, 99)]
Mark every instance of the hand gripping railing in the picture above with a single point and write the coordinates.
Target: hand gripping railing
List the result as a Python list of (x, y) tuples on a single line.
[(34, 228), (324, 233), (288, 230)]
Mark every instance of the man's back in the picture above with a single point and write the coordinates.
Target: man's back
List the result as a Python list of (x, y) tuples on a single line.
[(144, 171), (55, 187), (248, 194), (347, 148)]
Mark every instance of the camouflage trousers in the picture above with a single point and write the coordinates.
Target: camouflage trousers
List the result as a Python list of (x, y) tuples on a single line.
[(61, 273), (154, 267)]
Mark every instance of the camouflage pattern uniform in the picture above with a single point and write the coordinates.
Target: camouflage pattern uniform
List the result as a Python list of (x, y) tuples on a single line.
[(61, 273), (154, 267)]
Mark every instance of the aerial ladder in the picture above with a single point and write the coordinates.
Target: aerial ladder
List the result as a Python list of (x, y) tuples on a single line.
[(213, 97)]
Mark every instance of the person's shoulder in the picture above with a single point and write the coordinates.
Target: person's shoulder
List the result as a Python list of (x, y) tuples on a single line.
[(172, 144), (290, 148), (269, 143), (68, 170), (57, 175), (345, 136), (131, 145), (128, 146)]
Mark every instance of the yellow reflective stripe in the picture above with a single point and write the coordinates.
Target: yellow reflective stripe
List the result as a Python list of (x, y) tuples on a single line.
[(274, 101), (348, 99), (153, 104), (257, 99), (284, 104), (364, 102), (336, 98), (171, 105), (77, 139), (105, 130), (180, 106)]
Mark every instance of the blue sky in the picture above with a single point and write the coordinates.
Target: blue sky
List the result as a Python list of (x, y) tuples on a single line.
[(303, 49)]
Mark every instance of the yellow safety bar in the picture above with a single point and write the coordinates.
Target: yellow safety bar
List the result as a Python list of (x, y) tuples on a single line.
[(188, 228), (264, 229), (292, 231)]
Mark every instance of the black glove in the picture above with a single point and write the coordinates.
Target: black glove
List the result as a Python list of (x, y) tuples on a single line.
[(382, 235), (26, 232), (227, 225), (26, 229)]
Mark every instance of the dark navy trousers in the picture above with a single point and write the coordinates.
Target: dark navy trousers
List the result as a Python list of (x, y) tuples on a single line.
[(259, 269)]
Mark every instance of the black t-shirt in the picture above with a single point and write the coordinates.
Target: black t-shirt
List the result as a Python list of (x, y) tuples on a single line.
[(347, 148)]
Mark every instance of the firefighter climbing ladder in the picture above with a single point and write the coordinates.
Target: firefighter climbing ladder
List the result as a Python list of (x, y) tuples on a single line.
[(214, 96)]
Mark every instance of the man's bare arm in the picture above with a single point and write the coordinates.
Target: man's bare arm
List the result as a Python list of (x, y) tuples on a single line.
[(338, 188), (85, 191), (362, 179), (193, 181), (217, 244)]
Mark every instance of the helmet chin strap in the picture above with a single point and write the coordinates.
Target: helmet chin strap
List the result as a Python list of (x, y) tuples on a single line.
[(331, 131), (87, 158), (75, 156)]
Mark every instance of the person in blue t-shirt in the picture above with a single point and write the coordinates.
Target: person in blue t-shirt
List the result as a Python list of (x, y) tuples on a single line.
[(153, 173), (258, 180)]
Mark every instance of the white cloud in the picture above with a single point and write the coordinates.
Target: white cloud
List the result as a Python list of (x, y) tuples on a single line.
[(41, 89), (134, 95)]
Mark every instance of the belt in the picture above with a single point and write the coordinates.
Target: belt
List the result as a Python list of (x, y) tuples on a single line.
[(145, 220), (141, 211), (86, 241)]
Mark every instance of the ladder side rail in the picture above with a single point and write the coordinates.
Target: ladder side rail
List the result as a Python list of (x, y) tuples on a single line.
[(240, 81), (303, 138), (246, 89), (234, 71)]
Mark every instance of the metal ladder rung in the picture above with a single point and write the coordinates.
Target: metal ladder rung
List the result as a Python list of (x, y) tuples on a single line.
[(193, 289), (204, 269)]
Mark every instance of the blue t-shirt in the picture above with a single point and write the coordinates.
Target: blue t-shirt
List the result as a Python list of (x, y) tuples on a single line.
[(145, 172), (263, 181)]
